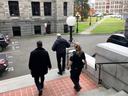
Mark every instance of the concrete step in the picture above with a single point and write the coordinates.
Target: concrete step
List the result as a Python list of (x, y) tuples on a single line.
[(121, 93), (89, 93), (105, 93), (101, 91)]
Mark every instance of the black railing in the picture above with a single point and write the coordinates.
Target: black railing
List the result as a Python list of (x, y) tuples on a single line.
[(100, 80)]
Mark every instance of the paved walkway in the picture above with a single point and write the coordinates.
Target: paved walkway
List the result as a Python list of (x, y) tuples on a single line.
[(55, 85), (58, 87), (88, 31)]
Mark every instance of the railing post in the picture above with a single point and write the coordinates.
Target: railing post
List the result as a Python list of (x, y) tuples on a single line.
[(100, 81)]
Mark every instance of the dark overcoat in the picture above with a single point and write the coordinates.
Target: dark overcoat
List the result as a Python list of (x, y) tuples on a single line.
[(60, 45), (39, 62)]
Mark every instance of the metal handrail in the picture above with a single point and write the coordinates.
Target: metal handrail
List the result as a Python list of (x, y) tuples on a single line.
[(100, 80)]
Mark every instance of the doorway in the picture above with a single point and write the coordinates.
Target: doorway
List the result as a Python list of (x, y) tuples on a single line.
[(16, 31), (37, 29), (48, 29)]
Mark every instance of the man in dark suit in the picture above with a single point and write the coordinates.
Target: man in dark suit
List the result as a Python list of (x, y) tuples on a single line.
[(60, 46), (39, 62)]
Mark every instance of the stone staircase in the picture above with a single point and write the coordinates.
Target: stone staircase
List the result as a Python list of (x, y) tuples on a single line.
[(102, 91)]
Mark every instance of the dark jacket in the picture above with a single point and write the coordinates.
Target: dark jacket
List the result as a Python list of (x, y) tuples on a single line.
[(60, 45), (77, 61), (39, 62)]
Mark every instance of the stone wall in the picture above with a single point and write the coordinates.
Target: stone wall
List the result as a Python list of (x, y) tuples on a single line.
[(113, 75), (27, 22)]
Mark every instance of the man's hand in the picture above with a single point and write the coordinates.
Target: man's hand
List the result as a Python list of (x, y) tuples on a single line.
[(49, 69), (67, 68), (85, 66)]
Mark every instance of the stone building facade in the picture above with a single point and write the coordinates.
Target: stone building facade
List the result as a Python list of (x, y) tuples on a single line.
[(28, 17), (111, 6)]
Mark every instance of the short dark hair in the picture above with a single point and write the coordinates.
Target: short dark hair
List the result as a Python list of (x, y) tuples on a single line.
[(39, 43)]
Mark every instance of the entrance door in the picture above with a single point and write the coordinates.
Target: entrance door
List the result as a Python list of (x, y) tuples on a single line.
[(16, 31), (48, 29), (65, 28), (37, 29)]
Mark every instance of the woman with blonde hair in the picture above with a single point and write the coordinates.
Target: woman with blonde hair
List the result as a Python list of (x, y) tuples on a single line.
[(76, 63)]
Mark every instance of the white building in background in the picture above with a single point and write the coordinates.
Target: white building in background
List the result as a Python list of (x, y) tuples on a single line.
[(91, 3), (111, 6)]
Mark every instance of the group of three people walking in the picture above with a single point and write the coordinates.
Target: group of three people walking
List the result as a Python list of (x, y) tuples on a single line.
[(39, 62)]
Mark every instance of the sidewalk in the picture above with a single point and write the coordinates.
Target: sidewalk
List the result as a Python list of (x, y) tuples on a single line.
[(55, 85), (88, 31)]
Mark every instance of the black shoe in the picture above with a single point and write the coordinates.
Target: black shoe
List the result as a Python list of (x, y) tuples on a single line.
[(60, 73), (63, 70), (40, 92), (78, 88), (74, 87)]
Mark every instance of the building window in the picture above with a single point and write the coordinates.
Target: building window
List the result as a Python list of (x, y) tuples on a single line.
[(13, 8), (47, 8), (35, 8), (16, 31), (65, 8), (37, 29)]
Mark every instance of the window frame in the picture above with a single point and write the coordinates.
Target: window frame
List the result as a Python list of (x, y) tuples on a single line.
[(35, 7), (13, 7), (65, 5), (47, 9)]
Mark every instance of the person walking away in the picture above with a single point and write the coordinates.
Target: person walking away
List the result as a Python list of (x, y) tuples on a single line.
[(39, 62), (76, 63), (60, 46)]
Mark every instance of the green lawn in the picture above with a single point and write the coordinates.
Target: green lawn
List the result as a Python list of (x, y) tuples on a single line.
[(84, 25), (107, 28), (114, 22), (112, 19), (112, 25), (93, 19)]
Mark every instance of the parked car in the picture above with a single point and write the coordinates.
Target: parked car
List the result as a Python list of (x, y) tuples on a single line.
[(95, 15), (119, 39), (100, 15), (3, 63), (4, 41), (115, 16), (8, 38), (118, 16)]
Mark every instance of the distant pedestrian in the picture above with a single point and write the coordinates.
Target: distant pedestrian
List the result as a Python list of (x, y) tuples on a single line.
[(60, 46), (76, 63), (39, 62)]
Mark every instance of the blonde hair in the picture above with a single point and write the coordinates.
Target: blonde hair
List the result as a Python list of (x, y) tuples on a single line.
[(78, 49)]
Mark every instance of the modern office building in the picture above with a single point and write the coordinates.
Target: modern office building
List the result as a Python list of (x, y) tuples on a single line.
[(28, 17), (111, 6)]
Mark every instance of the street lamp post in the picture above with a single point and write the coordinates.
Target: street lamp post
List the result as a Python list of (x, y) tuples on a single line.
[(77, 22), (90, 18), (71, 22), (96, 19)]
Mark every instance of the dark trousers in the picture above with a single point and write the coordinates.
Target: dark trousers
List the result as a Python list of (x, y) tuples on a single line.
[(39, 81), (75, 73), (59, 56)]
